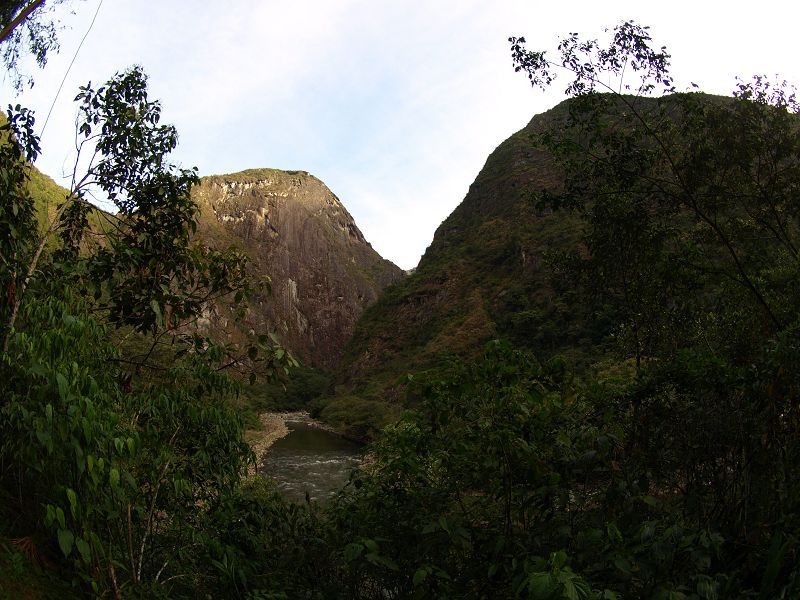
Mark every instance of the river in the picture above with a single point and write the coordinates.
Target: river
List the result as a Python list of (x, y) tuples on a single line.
[(310, 460)]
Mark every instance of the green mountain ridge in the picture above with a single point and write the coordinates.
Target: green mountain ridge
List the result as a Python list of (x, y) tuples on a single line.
[(482, 277)]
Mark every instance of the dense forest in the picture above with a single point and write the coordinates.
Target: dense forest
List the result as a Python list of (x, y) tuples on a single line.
[(639, 438)]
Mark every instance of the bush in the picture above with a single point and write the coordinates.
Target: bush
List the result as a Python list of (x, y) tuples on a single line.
[(357, 418)]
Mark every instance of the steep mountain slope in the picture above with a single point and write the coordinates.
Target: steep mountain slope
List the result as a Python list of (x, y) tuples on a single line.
[(483, 276), (504, 266), (45, 193), (298, 234)]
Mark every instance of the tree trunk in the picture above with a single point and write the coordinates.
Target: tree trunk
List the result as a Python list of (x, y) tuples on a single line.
[(23, 14)]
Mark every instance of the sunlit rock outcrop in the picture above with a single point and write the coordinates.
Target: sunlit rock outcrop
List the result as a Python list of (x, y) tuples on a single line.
[(297, 233)]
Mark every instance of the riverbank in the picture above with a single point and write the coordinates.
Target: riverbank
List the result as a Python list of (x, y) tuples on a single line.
[(273, 428)]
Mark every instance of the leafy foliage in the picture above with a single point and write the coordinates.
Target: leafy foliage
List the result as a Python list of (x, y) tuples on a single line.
[(151, 275), (118, 475), (120, 471), (691, 235), (26, 29), (18, 232), (668, 468)]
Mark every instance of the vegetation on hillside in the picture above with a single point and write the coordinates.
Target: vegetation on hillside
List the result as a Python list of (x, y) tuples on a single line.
[(666, 468), (118, 436)]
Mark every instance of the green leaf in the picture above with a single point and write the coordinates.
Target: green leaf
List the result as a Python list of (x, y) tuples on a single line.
[(613, 532), (157, 311), (569, 591), (73, 501), (87, 429), (113, 478), (558, 559), (444, 524), (706, 589), (623, 565), (50, 515), (352, 552), (84, 549), (65, 540), (540, 585), (63, 386)]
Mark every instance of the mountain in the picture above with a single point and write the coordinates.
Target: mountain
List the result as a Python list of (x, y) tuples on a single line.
[(298, 234), (299, 238), (483, 276)]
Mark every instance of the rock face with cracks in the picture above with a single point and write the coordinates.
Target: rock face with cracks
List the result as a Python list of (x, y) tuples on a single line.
[(298, 234)]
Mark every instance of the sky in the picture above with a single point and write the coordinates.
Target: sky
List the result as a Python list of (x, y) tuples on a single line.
[(394, 104)]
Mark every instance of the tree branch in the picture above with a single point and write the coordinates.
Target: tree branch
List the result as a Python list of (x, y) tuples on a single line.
[(23, 14)]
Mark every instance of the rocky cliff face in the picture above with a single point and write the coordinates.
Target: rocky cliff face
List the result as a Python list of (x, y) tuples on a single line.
[(299, 235)]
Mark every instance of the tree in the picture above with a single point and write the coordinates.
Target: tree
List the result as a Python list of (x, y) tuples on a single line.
[(124, 473), (146, 272), (25, 27), (463, 495), (18, 235), (666, 152), (692, 229)]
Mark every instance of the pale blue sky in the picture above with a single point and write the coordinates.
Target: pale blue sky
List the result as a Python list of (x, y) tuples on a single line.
[(394, 104)]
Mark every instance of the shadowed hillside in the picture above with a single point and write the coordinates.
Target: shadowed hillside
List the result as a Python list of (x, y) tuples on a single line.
[(482, 277)]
